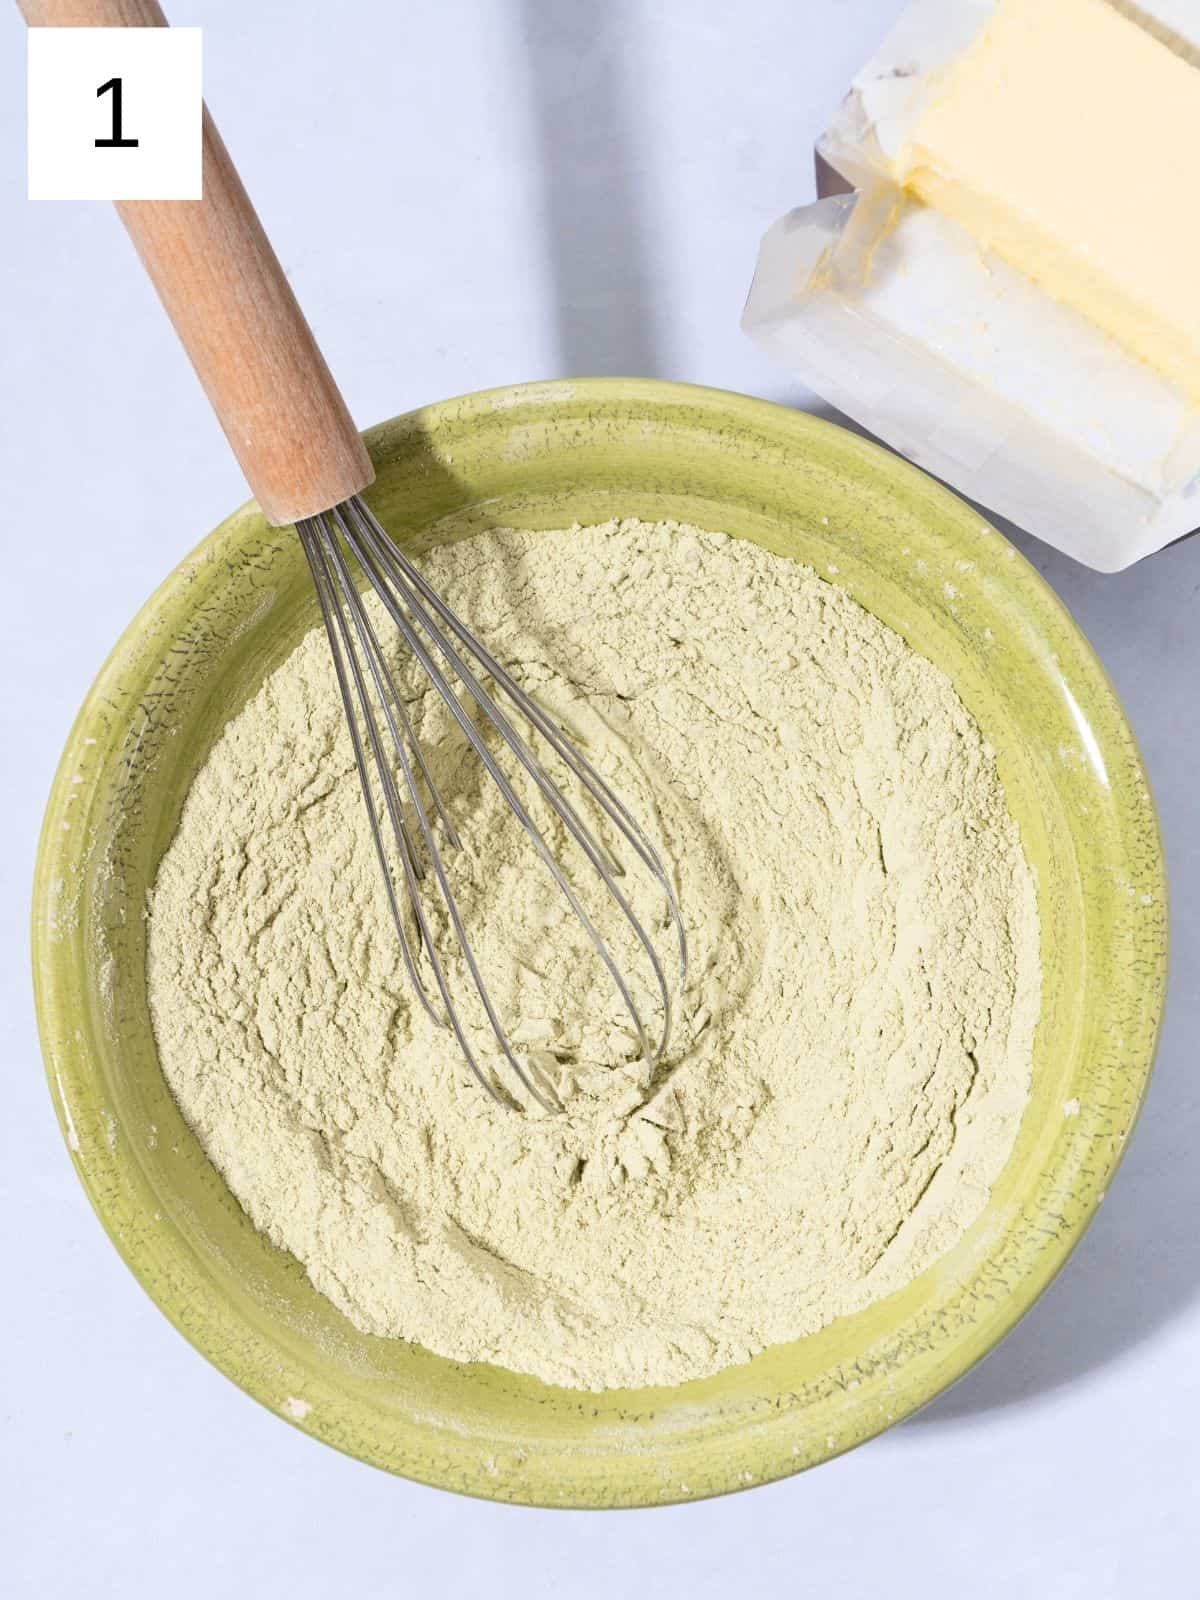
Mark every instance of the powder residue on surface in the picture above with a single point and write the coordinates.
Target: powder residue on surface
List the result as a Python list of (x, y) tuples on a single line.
[(852, 1050)]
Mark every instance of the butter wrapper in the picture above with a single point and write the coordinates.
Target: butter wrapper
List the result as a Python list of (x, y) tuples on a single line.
[(897, 316)]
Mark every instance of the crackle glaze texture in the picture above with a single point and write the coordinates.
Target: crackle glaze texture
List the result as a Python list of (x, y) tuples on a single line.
[(547, 456)]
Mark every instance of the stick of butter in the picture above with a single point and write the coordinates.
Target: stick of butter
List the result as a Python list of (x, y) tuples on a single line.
[(1065, 138), (1007, 297)]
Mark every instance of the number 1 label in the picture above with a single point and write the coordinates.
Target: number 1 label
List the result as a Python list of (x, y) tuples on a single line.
[(114, 140), (115, 114)]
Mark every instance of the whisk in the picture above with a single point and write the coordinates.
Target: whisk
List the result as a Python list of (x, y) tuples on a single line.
[(431, 630), (225, 292)]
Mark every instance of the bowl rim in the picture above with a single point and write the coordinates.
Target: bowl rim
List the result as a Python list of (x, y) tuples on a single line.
[(66, 1075)]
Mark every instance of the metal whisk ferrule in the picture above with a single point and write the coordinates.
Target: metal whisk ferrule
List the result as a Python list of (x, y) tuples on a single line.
[(407, 846)]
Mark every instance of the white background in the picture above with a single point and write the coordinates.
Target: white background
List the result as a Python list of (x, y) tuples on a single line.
[(472, 193)]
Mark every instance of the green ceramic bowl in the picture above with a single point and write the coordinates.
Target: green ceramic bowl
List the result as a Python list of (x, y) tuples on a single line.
[(545, 456)]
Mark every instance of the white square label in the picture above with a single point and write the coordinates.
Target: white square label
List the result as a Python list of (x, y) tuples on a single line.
[(115, 114)]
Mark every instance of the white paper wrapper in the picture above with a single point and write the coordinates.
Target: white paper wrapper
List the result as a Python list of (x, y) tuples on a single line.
[(894, 314)]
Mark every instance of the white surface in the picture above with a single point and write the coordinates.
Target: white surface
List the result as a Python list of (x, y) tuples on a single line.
[(472, 193)]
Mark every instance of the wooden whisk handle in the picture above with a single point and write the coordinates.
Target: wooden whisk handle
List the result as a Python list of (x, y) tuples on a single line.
[(226, 294)]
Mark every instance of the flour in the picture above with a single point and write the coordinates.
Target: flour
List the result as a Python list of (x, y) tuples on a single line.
[(852, 1050)]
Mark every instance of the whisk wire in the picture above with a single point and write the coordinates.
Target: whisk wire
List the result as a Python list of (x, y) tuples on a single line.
[(331, 612), (416, 609), (394, 707), (603, 794), (321, 549), (562, 807), (378, 670)]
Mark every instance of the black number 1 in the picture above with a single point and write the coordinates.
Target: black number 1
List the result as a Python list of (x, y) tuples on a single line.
[(115, 141)]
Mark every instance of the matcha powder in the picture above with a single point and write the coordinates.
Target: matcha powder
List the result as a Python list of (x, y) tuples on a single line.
[(853, 1045)]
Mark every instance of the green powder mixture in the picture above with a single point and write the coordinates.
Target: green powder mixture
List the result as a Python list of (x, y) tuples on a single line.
[(853, 1046)]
